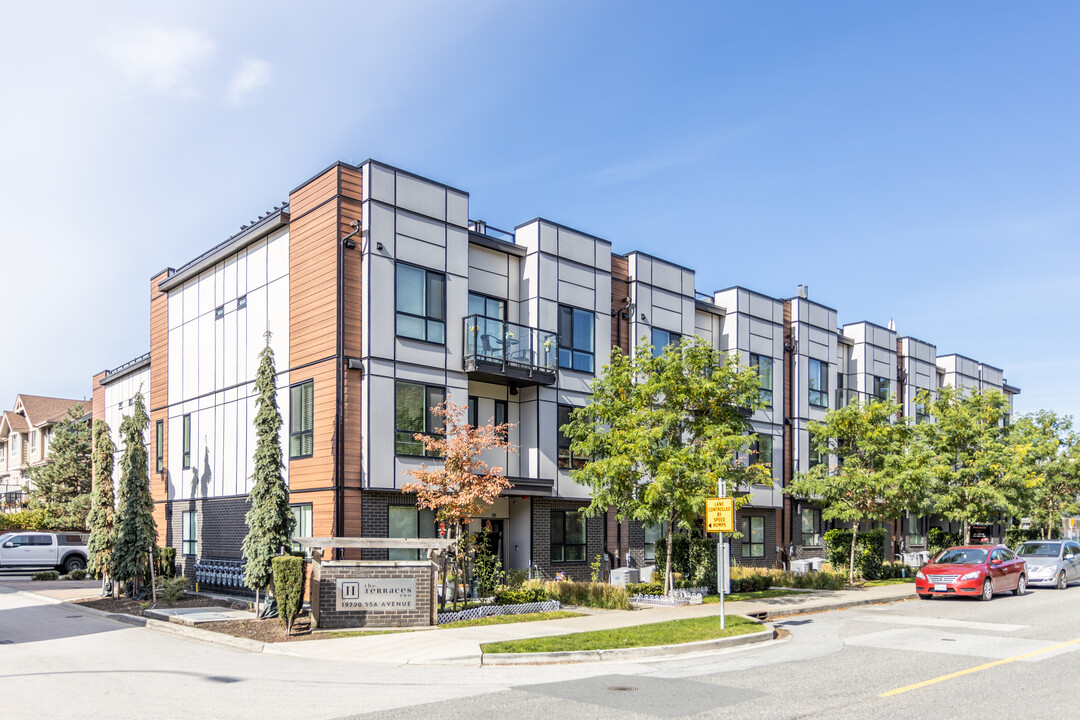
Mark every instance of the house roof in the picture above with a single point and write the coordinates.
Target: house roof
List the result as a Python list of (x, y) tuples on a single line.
[(15, 421), (40, 410)]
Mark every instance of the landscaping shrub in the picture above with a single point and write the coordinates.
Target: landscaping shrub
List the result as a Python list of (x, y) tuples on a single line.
[(288, 587), (869, 551), (45, 575), (1015, 535), (516, 578), (649, 588), (693, 556), (78, 574), (521, 595), (487, 566), (588, 594), (165, 562), (764, 578), (36, 520), (938, 539), (172, 589)]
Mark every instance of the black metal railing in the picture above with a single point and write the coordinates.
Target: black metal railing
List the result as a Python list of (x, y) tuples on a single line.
[(490, 340)]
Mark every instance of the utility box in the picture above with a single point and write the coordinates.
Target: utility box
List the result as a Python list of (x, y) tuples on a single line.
[(625, 576)]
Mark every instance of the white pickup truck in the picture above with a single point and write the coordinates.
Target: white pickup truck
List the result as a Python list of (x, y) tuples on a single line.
[(63, 551)]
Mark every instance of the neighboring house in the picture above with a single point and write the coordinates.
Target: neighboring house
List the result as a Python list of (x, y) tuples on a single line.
[(25, 433), (382, 298), (113, 399)]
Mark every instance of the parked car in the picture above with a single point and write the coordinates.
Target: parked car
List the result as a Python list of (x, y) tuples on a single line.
[(63, 551), (1051, 562), (972, 570)]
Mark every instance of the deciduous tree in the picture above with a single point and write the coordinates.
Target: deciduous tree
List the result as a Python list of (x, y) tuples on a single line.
[(1051, 453), (662, 431)]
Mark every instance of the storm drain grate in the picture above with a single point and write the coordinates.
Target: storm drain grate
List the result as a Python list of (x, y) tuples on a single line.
[(622, 688)]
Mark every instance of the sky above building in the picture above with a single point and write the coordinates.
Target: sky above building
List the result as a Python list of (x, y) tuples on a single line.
[(915, 162)]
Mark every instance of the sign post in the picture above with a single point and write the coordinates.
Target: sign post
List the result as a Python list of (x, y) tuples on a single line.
[(720, 518)]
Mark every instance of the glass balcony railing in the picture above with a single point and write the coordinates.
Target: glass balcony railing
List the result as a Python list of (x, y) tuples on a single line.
[(516, 348)]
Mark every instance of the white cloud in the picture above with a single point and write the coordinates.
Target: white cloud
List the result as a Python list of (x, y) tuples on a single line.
[(252, 75), (163, 59)]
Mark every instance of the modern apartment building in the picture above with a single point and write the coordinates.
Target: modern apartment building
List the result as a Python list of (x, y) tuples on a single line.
[(25, 434), (380, 298)]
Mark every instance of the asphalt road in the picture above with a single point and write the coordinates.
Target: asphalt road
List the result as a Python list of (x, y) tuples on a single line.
[(946, 658)]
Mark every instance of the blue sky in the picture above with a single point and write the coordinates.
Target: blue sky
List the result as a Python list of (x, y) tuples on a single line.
[(914, 162)]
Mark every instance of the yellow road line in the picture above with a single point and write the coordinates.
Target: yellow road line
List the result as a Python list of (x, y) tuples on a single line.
[(969, 671)]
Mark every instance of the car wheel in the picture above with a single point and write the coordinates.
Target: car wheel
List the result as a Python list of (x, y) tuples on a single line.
[(988, 591), (1062, 582), (74, 562), (1021, 586)]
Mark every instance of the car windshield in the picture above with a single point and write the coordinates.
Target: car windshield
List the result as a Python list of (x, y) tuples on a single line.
[(961, 556), (5, 536), (1039, 549)]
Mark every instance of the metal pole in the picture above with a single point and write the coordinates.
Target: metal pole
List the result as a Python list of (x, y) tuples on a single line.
[(721, 488)]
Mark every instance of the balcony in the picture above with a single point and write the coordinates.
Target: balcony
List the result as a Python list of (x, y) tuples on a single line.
[(509, 354)]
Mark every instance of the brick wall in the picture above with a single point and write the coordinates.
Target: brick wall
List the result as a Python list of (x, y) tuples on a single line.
[(324, 577), (769, 560), (375, 517), (220, 524), (541, 540)]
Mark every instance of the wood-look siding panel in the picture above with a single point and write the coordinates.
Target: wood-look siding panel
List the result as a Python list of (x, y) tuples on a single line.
[(317, 191), (620, 289), (159, 398)]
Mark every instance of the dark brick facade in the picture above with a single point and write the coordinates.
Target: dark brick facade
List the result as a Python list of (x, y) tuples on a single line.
[(769, 558), (541, 539), (324, 577), (221, 529), (375, 518)]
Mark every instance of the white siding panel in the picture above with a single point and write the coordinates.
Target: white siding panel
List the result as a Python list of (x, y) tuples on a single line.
[(421, 197)]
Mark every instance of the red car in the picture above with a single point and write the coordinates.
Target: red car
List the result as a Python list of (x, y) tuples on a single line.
[(973, 570)]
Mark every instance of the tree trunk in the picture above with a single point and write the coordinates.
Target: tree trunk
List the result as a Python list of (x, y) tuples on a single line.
[(967, 533), (851, 565), (256, 603), (669, 577)]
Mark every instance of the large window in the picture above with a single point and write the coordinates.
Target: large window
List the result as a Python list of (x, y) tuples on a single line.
[(407, 521), (661, 339), (753, 536), (302, 525), (187, 442), (567, 536), (576, 339), (881, 388), (922, 412), (412, 414), (33, 442), (488, 307), (763, 365), (810, 519), (654, 533), (421, 304), (761, 451), (159, 445), (567, 459), (190, 530), (817, 381), (302, 420), (502, 412)]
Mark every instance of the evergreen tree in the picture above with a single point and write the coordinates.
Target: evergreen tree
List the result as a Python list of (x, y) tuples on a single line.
[(103, 510), (66, 473), (136, 531), (270, 520)]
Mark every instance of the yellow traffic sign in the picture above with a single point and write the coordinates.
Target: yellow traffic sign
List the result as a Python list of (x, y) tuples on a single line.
[(720, 514)]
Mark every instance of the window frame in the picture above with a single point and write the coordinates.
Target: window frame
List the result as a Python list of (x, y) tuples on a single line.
[(425, 318), (186, 446), (487, 298), (878, 380), (295, 413), (755, 452), (189, 532), (673, 338), (747, 546), (584, 544), (563, 443), (159, 445), (822, 393), (570, 312), (420, 516), (815, 526), (426, 415), (299, 510), (766, 392)]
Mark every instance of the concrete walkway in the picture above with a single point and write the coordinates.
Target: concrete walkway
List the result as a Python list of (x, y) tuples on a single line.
[(461, 646)]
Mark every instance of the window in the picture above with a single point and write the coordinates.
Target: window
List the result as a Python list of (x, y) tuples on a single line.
[(881, 388), (190, 520), (421, 304), (474, 410), (159, 445), (413, 415), (567, 536), (753, 537), (501, 412), (817, 380), (241, 302), (922, 413), (575, 339), (302, 420), (302, 526), (187, 442), (33, 442), (219, 312), (761, 451), (763, 365), (654, 533), (3, 451), (661, 339), (811, 526), (407, 521), (488, 307), (567, 459)]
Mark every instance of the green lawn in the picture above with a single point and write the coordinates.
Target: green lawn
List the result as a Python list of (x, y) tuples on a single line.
[(891, 581), (756, 595), (505, 619), (674, 632)]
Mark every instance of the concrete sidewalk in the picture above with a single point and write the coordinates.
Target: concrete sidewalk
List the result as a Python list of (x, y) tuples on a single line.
[(461, 646)]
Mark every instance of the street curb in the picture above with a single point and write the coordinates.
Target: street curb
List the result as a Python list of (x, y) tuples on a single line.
[(839, 605), (623, 654)]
